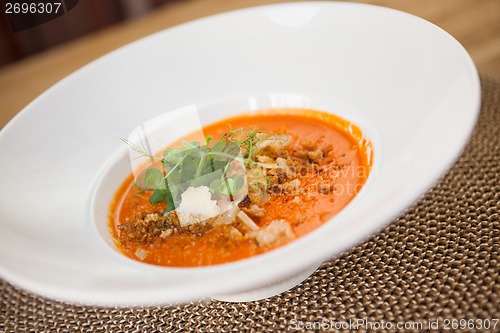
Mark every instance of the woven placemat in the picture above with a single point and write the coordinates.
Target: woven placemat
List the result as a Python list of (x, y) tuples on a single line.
[(438, 261)]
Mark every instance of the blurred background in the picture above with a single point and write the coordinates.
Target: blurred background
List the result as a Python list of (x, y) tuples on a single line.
[(33, 59), (475, 23), (87, 16)]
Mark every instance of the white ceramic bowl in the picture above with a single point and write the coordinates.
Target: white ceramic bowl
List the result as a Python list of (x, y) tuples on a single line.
[(407, 83), (174, 124)]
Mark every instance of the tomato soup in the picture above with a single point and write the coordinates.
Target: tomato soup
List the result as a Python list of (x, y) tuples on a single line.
[(303, 167)]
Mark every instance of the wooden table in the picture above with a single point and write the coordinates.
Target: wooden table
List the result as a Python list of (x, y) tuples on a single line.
[(474, 23)]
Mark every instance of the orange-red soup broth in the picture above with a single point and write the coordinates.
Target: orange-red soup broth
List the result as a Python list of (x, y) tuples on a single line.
[(332, 161)]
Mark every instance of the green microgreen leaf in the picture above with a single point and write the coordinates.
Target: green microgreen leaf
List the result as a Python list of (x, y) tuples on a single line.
[(207, 179), (170, 202), (195, 165), (141, 151), (153, 179), (191, 145), (227, 186), (158, 196)]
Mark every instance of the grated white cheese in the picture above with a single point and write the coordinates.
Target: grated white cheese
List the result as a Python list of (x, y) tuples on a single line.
[(273, 144), (141, 254), (196, 206), (247, 220), (275, 233)]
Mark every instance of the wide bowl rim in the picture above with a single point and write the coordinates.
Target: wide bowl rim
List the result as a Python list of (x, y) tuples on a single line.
[(368, 133), (383, 217)]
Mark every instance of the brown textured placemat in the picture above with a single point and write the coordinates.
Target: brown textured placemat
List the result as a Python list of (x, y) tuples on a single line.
[(439, 260)]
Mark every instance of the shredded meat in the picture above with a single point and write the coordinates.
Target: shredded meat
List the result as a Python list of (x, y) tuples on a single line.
[(246, 202), (315, 156), (309, 145), (254, 211), (276, 176), (297, 166), (311, 154), (150, 228), (276, 171), (147, 228), (326, 189)]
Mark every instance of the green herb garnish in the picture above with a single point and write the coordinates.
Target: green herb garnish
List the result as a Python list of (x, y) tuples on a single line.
[(212, 164)]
